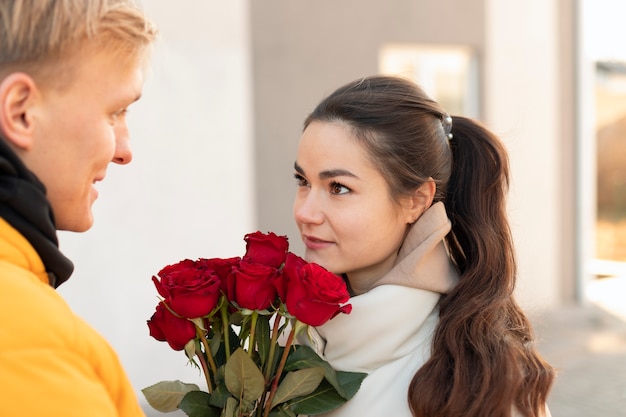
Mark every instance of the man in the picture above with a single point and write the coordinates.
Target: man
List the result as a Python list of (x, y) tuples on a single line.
[(68, 72)]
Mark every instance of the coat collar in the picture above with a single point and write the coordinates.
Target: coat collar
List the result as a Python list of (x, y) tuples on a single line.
[(386, 323), (423, 260)]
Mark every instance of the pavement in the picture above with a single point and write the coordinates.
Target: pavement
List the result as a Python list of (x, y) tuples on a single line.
[(587, 345)]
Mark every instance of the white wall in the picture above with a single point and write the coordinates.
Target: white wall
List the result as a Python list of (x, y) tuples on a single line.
[(522, 107), (188, 192)]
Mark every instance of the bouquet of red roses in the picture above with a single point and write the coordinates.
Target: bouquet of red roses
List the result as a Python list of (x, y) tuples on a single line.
[(229, 316)]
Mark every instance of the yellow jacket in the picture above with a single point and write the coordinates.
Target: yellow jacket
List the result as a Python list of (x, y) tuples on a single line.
[(52, 363)]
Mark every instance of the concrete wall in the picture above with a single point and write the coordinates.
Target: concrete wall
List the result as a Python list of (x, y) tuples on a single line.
[(524, 86), (304, 50)]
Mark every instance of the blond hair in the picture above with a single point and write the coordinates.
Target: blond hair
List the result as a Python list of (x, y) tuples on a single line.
[(34, 34)]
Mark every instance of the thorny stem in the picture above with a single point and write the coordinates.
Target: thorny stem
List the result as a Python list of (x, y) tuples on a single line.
[(207, 350), (205, 369), (224, 313), (270, 356), (270, 360), (279, 371), (253, 320)]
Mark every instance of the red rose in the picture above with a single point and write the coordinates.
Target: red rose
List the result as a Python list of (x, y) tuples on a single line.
[(189, 288), (222, 268), (267, 249), (292, 264), (166, 327), (314, 295), (252, 285)]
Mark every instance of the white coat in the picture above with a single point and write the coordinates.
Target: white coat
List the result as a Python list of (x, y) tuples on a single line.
[(389, 332)]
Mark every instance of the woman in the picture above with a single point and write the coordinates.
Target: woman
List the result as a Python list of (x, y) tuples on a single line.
[(408, 204)]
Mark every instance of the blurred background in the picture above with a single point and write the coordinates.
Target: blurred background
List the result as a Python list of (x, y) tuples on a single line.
[(215, 137)]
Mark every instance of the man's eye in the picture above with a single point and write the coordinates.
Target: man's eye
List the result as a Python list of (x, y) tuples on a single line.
[(119, 114)]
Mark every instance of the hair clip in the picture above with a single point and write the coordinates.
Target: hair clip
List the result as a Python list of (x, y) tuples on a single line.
[(446, 122)]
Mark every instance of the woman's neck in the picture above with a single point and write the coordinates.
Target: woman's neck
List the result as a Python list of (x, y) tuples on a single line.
[(362, 280)]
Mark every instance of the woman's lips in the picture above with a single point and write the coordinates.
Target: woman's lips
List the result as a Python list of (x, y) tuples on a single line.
[(312, 242)]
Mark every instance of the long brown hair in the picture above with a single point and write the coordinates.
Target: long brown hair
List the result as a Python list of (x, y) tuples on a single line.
[(483, 360)]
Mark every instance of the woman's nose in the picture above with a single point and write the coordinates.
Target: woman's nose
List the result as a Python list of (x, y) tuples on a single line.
[(307, 208)]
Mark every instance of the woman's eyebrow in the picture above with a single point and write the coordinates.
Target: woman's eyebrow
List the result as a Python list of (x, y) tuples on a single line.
[(330, 173)]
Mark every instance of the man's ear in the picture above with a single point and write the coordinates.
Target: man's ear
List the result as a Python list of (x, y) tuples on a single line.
[(18, 93), (421, 200)]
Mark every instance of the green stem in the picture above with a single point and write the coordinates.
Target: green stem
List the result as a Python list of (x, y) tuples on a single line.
[(270, 356), (205, 369), (225, 323), (253, 320), (279, 371), (270, 360), (207, 350)]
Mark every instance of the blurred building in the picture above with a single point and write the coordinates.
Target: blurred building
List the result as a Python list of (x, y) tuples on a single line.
[(610, 98), (216, 132), (510, 64)]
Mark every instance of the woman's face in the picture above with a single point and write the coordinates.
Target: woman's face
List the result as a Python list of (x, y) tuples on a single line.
[(346, 217)]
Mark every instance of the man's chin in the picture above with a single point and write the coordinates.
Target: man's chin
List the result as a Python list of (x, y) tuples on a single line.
[(75, 224)]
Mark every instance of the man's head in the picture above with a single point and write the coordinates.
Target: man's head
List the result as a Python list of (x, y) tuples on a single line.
[(69, 69)]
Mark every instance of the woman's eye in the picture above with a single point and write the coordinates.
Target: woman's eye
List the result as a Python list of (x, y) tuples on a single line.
[(338, 189), (300, 180)]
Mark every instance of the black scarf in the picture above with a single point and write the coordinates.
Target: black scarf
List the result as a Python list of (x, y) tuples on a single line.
[(23, 204)]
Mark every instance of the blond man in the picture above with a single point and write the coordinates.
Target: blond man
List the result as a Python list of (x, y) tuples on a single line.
[(69, 70)]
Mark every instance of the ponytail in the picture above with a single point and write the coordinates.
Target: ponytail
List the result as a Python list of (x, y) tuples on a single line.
[(476, 203), (483, 358)]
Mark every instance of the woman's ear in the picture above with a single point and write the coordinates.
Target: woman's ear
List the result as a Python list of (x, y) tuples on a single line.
[(421, 200), (18, 93)]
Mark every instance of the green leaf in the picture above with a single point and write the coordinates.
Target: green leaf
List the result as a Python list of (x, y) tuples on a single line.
[(244, 329), (282, 411), (302, 357), (297, 384), (350, 382), (215, 342), (324, 399), (220, 355), (165, 396), (196, 404), (263, 337), (243, 378), (219, 396), (305, 357), (246, 408), (231, 408), (236, 318)]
